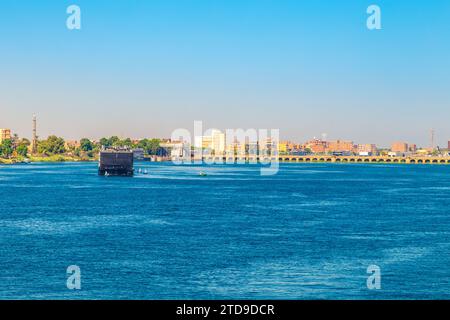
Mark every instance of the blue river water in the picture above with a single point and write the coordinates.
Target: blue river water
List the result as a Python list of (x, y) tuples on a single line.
[(308, 232)]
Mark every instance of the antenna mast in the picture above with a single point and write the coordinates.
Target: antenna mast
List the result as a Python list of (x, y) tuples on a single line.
[(432, 139)]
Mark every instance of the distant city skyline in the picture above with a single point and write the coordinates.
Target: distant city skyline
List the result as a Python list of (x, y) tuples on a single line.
[(143, 69), (214, 131)]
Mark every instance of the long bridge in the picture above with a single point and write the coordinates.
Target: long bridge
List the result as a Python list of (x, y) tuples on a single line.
[(329, 159)]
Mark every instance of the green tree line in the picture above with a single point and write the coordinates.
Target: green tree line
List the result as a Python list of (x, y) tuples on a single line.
[(54, 145), (14, 147)]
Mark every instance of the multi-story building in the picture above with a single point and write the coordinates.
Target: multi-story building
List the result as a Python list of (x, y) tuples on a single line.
[(401, 147), (316, 146), (412, 148), (204, 142), (5, 134), (176, 149), (283, 147), (218, 142), (369, 149), (213, 144), (341, 146)]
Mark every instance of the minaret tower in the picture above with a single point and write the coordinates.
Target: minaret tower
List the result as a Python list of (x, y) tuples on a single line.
[(34, 139)]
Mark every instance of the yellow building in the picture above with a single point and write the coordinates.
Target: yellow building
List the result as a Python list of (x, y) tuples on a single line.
[(207, 142), (5, 134), (283, 147), (423, 152)]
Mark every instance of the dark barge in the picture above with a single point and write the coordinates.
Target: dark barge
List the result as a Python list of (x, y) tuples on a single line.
[(116, 162)]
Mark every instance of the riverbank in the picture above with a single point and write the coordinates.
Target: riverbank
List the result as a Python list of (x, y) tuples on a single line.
[(53, 158), (60, 158)]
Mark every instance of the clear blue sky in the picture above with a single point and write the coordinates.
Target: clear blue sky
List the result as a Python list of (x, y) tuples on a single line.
[(145, 68)]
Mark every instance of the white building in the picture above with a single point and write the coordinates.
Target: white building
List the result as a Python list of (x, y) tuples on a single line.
[(177, 149), (218, 142)]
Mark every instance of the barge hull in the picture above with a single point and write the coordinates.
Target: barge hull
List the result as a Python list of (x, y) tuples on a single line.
[(116, 164)]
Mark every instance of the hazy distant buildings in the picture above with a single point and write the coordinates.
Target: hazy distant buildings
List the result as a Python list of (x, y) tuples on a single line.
[(5, 134), (237, 148), (253, 148), (289, 147)]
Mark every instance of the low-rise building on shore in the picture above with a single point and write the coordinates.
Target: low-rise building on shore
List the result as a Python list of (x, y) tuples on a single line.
[(5, 134)]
